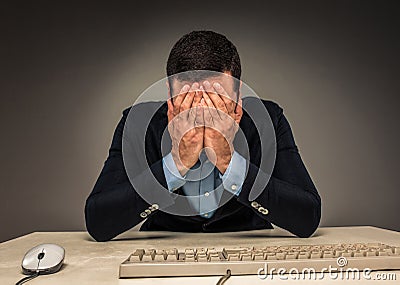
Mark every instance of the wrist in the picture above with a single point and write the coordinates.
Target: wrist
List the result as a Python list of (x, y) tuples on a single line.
[(223, 163), (179, 164)]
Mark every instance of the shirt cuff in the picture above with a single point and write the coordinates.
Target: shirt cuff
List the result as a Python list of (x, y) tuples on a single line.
[(172, 176), (235, 174)]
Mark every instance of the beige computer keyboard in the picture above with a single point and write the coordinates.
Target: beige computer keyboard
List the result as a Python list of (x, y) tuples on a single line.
[(250, 260)]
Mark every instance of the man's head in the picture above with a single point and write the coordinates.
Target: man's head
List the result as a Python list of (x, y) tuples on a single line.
[(203, 50)]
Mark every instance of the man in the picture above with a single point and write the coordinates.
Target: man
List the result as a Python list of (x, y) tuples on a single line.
[(289, 200)]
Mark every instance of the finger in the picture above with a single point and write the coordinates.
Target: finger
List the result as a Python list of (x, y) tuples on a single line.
[(207, 118), (207, 100), (230, 106), (170, 112), (215, 98), (187, 102), (171, 117), (210, 112), (238, 111), (195, 105), (178, 99), (197, 98), (199, 122)]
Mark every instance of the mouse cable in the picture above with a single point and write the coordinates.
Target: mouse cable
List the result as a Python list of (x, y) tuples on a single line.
[(27, 278), (34, 275), (223, 279)]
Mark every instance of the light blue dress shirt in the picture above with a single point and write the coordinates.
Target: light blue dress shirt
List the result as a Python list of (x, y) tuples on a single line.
[(200, 181)]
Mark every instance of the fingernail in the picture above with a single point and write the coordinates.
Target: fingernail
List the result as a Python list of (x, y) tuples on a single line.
[(195, 85), (217, 85), (185, 88), (206, 84)]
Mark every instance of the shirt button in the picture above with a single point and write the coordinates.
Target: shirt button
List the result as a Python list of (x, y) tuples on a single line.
[(234, 187), (143, 215), (147, 211), (207, 194), (154, 207)]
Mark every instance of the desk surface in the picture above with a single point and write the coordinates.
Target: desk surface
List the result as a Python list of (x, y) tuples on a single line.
[(90, 262)]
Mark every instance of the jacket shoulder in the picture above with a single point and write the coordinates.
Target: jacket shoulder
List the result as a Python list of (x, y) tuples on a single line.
[(274, 110)]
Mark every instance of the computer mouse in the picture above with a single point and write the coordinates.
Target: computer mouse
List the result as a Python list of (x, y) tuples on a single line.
[(44, 258)]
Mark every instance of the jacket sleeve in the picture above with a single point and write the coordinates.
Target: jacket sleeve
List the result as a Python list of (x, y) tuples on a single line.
[(113, 206), (290, 199)]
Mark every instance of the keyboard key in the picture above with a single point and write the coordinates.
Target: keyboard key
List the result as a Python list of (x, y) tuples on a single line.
[(258, 256), (328, 254), (159, 257), (190, 258), (234, 257), (271, 256), (303, 255)]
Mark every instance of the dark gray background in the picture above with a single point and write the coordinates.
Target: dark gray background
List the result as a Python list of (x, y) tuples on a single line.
[(68, 69)]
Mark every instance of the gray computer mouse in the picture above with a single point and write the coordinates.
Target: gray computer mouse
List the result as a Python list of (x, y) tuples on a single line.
[(44, 258)]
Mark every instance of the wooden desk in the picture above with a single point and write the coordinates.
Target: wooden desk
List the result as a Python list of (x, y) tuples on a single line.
[(90, 262)]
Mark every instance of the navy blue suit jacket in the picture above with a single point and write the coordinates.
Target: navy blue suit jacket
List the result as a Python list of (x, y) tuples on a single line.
[(290, 197)]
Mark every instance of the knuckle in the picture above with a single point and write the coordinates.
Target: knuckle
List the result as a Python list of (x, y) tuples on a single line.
[(220, 104)]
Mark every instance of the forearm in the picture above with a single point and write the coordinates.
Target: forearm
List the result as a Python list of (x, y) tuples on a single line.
[(115, 206), (113, 211), (290, 199), (289, 206)]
